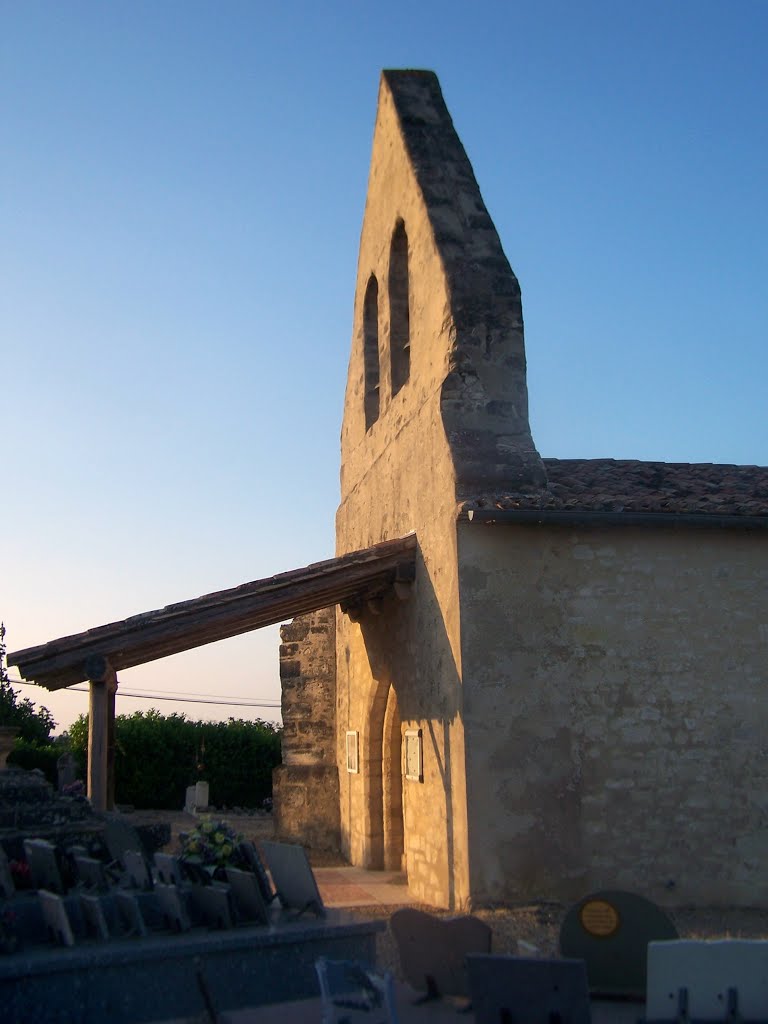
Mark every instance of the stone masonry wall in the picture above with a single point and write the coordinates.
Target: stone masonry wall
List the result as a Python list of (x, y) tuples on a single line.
[(615, 712), (306, 784)]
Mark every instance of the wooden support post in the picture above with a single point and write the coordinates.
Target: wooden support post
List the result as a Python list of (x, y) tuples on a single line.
[(101, 713), (111, 745)]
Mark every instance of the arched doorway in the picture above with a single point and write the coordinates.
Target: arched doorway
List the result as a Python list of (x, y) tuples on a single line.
[(392, 786)]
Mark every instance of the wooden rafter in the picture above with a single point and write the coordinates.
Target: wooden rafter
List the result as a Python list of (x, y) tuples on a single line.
[(349, 580)]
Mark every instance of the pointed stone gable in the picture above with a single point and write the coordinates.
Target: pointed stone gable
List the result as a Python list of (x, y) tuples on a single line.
[(438, 316)]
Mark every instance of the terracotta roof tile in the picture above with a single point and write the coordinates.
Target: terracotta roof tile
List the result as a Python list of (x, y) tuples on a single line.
[(624, 485)]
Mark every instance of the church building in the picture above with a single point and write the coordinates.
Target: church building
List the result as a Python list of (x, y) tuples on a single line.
[(569, 690)]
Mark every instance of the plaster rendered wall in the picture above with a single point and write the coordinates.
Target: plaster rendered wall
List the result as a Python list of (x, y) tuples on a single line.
[(306, 784), (615, 712)]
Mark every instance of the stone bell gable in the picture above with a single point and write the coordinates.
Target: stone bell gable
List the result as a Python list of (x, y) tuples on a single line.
[(438, 356)]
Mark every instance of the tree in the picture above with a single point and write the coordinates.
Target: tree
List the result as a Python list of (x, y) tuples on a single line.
[(34, 725)]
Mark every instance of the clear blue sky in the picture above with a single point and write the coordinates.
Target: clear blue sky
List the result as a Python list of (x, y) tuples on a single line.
[(181, 193)]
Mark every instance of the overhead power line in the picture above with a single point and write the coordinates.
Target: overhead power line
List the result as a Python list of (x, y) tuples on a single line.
[(227, 702)]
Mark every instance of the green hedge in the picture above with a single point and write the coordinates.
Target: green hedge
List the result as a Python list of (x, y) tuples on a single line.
[(29, 755), (158, 756)]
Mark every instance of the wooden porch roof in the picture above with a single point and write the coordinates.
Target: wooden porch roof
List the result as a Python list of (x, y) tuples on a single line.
[(349, 580)]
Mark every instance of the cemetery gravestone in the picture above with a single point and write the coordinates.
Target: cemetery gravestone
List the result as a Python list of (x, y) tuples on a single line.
[(707, 980), (197, 798), (43, 865), (91, 872), (66, 769), (172, 908), (433, 951), (246, 896), (509, 988), (94, 916), (252, 858), (168, 869), (55, 917), (129, 914), (137, 872), (610, 930), (119, 837), (212, 904), (293, 878)]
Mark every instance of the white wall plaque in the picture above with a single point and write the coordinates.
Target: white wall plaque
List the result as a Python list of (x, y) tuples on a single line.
[(414, 762), (352, 762)]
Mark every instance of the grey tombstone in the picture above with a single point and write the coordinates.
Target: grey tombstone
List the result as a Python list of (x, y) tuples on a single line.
[(129, 916), (172, 908), (43, 865), (90, 872), (136, 871), (511, 988), (55, 917), (66, 769), (433, 951), (168, 869), (7, 888), (119, 837), (93, 915), (610, 930), (293, 877), (252, 858), (246, 896), (212, 903)]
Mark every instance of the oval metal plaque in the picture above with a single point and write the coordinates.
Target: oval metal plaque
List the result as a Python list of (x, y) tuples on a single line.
[(599, 918)]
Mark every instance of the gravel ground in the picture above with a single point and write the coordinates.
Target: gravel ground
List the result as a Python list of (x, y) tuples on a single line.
[(537, 924)]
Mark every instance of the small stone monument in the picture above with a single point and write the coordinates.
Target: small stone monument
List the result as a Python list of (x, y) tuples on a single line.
[(197, 798), (66, 766)]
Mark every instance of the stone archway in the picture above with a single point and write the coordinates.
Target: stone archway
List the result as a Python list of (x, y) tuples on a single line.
[(392, 786), (381, 767)]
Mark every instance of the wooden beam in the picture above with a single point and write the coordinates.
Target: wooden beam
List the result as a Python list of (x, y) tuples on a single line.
[(349, 579), (103, 682)]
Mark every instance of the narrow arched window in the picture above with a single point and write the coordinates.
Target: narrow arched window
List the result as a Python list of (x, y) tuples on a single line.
[(371, 351), (399, 313)]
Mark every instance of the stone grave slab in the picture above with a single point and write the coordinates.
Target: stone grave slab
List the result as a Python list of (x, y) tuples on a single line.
[(246, 896), (43, 865), (212, 904), (90, 872), (129, 916), (119, 837), (172, 907), (433, 951), (136, 870), (529, 991), (610, 930), (168, 869), (93, 916), (707, 980), (292, 877), (55, 917), (252, 858)]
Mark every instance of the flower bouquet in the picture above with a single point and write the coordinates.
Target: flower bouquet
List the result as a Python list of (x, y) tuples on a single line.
[(211, 845)]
